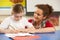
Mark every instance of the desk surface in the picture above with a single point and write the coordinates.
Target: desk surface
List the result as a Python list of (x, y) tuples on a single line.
[(50, 36), (42, 36)]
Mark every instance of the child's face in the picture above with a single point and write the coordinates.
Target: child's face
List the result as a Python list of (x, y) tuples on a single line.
[(18, 16), (38, 15)]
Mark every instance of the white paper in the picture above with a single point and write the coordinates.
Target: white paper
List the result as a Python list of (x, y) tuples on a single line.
[(18, 34)]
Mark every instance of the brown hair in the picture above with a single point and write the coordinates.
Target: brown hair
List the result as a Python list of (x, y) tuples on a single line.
[(17, 8), (47, 9)]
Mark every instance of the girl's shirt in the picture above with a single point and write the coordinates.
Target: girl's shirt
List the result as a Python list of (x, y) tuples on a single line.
[(11, 23)]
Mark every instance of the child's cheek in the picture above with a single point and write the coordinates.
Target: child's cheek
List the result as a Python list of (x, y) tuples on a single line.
[(40, 18)]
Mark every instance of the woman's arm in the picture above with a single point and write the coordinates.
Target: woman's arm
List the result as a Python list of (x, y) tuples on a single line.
[(41, 30)]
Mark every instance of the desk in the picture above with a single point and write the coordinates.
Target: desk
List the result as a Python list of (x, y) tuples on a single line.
[(50, 36), (3, 37), (46, 36), (43, 36)]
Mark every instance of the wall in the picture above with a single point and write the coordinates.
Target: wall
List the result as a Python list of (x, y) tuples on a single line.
[(31, 4)]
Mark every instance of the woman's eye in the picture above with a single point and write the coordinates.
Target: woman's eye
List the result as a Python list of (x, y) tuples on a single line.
[(20, 16), (38, 14)]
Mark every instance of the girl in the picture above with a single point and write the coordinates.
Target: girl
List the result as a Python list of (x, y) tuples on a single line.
[(16, 21)]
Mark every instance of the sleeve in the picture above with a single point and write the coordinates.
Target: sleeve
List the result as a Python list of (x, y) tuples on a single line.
[(30, 20), (4, 24)]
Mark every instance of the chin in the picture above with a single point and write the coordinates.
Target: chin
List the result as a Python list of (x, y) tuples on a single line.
[(17, 20)]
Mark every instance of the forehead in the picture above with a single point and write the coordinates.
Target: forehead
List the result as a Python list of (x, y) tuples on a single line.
[(37, 10), (18, 14)]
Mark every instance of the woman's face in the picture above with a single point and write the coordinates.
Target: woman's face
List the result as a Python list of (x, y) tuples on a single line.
[(38, 15), (18, 16)]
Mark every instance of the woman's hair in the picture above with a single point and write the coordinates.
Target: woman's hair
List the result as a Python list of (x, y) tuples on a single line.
[(47, 9), (17, 8)]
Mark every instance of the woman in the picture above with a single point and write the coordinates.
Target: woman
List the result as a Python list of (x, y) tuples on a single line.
[(40, 20)]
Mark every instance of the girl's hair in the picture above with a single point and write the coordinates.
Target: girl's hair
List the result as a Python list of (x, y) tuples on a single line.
[(47, 9), (17, 8)]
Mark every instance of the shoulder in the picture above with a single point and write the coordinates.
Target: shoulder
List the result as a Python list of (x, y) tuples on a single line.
[(48, 24), (24, 19), (7, 19)]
